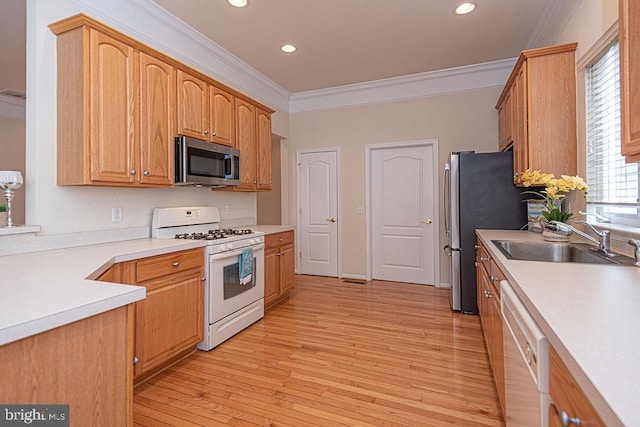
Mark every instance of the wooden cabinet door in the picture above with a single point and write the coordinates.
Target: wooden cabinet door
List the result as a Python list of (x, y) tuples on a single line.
[(246, 143), (114, 111), (169, 320), (271, 275), (193, 106), (157, 121), (519, 103), (287, 268), (497, 347), (222, 117), (630, 78), (264, 149)]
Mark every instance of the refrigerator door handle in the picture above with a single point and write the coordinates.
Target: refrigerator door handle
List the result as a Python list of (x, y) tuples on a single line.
[(445, 198)]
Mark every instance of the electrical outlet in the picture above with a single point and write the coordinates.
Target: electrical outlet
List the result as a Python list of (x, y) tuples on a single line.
[(116, 214), (227, 209)]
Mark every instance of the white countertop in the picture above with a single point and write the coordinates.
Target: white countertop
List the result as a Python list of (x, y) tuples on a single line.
[(40, 291), (271, 229), (591, 315)]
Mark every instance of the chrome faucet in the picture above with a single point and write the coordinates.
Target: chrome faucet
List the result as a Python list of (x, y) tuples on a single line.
[(636, 244), (604, 237)]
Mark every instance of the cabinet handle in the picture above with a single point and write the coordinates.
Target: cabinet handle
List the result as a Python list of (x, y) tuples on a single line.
[(476, 246), (482, 258), (135, 360), (566, 420), (213, 134), (494, 279), (280, 239), (279, 254), (176, 263), (488, 294), (132, 171), (145, 173), (476, 264), (204, 279), (206, 132)]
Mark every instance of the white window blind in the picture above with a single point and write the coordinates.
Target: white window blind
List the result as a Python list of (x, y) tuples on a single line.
[(613, 184)]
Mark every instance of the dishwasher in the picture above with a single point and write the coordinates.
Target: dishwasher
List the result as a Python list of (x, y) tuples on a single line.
[(526, 364)]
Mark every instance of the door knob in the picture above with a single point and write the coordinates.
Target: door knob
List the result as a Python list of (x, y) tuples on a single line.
[(427, 221), (331, 219)]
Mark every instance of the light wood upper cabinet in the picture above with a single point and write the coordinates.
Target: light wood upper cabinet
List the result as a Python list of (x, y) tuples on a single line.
[(114, 89), (193, 106), (264, 149), (253, 139), (99, 126), (629, 12), (246, 143), (540, 97), (121, 103), (157, 120), (222, 117)]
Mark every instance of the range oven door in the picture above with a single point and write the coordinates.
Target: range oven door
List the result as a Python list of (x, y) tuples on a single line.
[(226, 294)]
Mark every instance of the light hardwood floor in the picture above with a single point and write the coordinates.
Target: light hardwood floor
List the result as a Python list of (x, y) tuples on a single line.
[(335, 353)]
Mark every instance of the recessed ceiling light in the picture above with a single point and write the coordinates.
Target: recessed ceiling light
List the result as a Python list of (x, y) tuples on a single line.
[(465, 8), (288, 48), (238, 3)]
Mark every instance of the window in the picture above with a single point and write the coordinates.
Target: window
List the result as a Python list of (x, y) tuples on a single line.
[(613, 184)]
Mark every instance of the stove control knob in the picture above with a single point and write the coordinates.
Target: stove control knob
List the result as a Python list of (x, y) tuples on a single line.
[(252, 241), (229, 246), (223, 247)]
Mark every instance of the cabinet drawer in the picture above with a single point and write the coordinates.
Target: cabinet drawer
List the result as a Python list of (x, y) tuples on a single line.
[(163, 265), (278, 239)]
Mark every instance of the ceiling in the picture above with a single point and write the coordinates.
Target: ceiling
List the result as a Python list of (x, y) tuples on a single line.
[(340, 42)]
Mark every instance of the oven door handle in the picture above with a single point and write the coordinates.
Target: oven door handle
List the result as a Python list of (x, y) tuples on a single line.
[(224, 255)]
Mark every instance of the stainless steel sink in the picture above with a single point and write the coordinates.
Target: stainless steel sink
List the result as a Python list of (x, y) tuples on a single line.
[(558, 252)]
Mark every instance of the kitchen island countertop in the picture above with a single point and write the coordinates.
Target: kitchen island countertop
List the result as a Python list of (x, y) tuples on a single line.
[(590, 315), (40, 291)]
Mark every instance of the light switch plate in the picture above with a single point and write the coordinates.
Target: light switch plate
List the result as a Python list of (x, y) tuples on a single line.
[(116, 214)]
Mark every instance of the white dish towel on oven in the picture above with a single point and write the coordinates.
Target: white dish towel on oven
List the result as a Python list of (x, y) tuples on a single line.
[(246, 265)]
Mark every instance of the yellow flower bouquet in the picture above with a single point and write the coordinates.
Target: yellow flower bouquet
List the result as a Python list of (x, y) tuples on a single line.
[(555, 190)]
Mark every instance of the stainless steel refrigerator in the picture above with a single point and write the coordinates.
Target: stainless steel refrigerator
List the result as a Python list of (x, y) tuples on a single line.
[(478, 193)]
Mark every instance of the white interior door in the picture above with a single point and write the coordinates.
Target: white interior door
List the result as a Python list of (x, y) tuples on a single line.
[(318, 210), (403, 223)]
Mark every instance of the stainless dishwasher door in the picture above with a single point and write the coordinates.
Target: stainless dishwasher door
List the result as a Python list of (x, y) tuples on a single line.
[(526, 364)]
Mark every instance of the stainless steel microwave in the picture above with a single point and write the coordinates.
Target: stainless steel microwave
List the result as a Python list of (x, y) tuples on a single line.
[(205, 164)]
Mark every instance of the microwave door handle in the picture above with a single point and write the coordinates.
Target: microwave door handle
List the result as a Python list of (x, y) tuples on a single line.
[(228, 166)]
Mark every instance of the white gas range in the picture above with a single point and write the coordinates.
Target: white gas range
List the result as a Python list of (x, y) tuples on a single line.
[(231, 303)]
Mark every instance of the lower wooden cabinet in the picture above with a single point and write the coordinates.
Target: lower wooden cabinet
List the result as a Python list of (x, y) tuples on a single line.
[(569, 402), (279, 267), (85, 364), (488, 278), (170, 321)]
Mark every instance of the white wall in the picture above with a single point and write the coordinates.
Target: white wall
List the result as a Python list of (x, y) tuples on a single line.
[(459, 121), (61, 210)]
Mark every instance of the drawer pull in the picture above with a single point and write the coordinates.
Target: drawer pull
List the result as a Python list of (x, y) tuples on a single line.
[(482, 258), (280, 239), (176, 264), (566, 420), (135, 360), (494, 279)]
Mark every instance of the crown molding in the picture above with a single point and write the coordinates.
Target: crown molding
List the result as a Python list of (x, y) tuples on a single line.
[(553, 21), (12, 107), (441, 82), (149, 23)]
